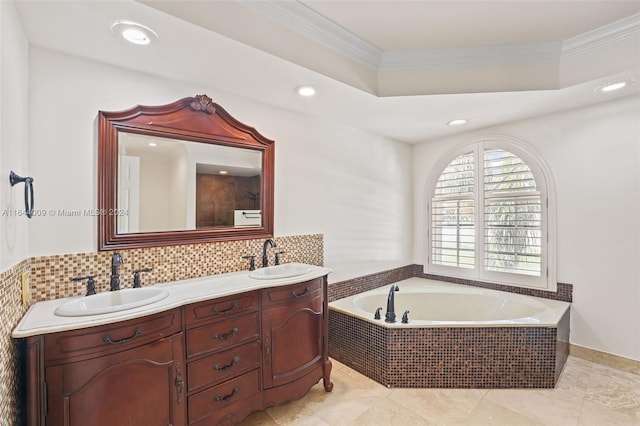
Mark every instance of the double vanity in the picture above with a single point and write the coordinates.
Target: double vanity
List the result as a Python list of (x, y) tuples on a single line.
[(202, 351)]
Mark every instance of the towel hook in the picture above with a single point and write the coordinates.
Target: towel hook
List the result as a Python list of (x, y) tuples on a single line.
[(28, 191)]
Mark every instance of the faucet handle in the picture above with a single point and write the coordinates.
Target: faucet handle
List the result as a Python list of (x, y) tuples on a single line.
[(91, 284), (377, 314), (252, 262), (137, 282), (277, 254), (405, 317)]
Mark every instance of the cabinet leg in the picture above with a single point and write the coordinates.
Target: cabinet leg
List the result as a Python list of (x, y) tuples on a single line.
[(326, 378)]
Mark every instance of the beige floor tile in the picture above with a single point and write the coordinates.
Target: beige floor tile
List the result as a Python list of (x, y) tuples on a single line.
[(614, 372), (550, 406), (443, 405), (587, 394), (614, 391), (341, 411), (594, 414), (572, 360), (575, 377), (352, 395), (487, 413), (388, 412), (259, 418), (366, 382), (336, 365), (295, 413)]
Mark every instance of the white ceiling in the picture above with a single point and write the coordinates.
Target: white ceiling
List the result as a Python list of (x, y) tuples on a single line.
[(414, 25), (198, 44)]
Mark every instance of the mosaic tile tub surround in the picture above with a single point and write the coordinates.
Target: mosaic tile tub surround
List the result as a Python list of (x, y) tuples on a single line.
[(448, 357), (451, 357)]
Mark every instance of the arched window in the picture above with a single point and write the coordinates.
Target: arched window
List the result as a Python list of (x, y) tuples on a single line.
[(489, 217)]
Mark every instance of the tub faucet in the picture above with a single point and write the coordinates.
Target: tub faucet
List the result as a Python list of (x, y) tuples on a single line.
[(265, 258), (391, 308), (116, 261)]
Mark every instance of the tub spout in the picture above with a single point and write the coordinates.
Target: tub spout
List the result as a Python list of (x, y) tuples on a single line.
[(391, 308)]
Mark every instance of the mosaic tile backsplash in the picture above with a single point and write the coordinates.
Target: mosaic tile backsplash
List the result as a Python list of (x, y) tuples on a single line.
[(10, 356), (51, 275)]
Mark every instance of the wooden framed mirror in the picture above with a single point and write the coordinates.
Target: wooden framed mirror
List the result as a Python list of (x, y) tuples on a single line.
[(182, 173)]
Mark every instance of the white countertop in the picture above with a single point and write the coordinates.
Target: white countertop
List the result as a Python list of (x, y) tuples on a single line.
[(41, 319)]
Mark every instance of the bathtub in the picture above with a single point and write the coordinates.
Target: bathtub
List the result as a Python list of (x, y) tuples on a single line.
[(457, 337), (439, 304)]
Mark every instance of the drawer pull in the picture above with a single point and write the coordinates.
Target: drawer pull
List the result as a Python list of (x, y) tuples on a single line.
[(225, 336), (219, 398), (234, 361), (215, 309), (306, 290), (136, 333)]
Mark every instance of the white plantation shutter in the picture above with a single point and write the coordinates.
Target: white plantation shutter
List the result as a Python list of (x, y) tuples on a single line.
[(512, 215), (453, 215), (488, 219)]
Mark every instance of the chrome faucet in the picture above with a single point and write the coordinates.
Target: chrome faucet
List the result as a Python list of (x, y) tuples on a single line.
[(391, 308), (265, 258), (116, 261)]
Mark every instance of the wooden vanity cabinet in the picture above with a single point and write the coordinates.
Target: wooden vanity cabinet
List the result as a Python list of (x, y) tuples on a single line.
[(292, 332), (129, 373), (207, 363)]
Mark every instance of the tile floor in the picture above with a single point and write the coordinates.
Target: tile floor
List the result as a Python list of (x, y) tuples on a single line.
[(588, 394)]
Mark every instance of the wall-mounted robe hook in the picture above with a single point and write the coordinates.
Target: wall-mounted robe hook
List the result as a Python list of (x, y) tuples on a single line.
[(28, 191)]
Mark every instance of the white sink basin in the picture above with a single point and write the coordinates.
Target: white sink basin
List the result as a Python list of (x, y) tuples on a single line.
[(285, 270), (112, 301)]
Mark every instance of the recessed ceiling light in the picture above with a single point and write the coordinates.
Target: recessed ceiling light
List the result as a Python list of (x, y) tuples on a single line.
[(611, 87), (134, 33), (223, 172), (152, 144), (305, 90), (457, 122)]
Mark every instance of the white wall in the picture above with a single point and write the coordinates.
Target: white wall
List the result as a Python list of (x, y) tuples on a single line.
[(155, 193), (13, 136), (178, 185), (352, 186), (594, 155)]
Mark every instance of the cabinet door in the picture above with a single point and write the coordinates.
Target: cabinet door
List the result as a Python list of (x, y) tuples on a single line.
[(292, 340), (141, 386)]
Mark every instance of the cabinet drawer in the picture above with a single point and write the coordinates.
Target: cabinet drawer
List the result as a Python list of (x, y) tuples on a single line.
[(110, 338), (292, 293), (222, 308), (212, 405), (222, 366), (222, 334)]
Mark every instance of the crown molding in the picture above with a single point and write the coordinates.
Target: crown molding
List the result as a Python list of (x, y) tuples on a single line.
[(306, 21), (607, 34)]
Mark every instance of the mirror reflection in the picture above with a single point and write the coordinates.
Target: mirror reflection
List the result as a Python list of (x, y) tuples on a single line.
[(173, 185)]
